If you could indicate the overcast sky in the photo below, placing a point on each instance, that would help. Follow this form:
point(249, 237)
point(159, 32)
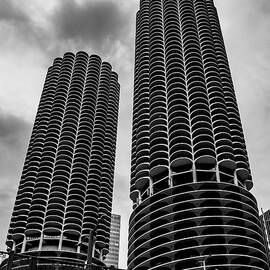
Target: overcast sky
point(37, 31)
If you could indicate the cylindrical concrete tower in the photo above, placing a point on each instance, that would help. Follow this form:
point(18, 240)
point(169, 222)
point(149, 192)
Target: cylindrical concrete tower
point(67, 179)
point(190, 176)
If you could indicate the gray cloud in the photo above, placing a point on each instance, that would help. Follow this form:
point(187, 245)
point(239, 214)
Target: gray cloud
point(9, 12)
point(18, 26)
point(13, 131)
point(91, 25)
point(14, 134)
point(96, 22)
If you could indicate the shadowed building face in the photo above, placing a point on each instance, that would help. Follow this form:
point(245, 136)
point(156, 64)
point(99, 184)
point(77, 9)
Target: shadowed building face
point(67, 178)
point(190, 175)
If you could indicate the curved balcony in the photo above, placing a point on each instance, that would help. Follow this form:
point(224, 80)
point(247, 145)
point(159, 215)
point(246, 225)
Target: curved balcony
point(205, 226)
point(180, 159)
point(52, 228)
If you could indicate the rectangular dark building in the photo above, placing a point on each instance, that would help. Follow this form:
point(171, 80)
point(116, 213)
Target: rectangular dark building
point(265, 221)
point(112, 257)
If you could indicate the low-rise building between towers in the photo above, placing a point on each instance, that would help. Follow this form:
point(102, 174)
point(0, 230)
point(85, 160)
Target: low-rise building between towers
point(112, 258)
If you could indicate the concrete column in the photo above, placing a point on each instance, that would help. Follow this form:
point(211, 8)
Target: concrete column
point(23, 244)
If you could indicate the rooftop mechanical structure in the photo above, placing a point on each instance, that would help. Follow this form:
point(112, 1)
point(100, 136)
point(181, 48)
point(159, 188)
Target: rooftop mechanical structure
point(67, 178)
point(190, 175)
